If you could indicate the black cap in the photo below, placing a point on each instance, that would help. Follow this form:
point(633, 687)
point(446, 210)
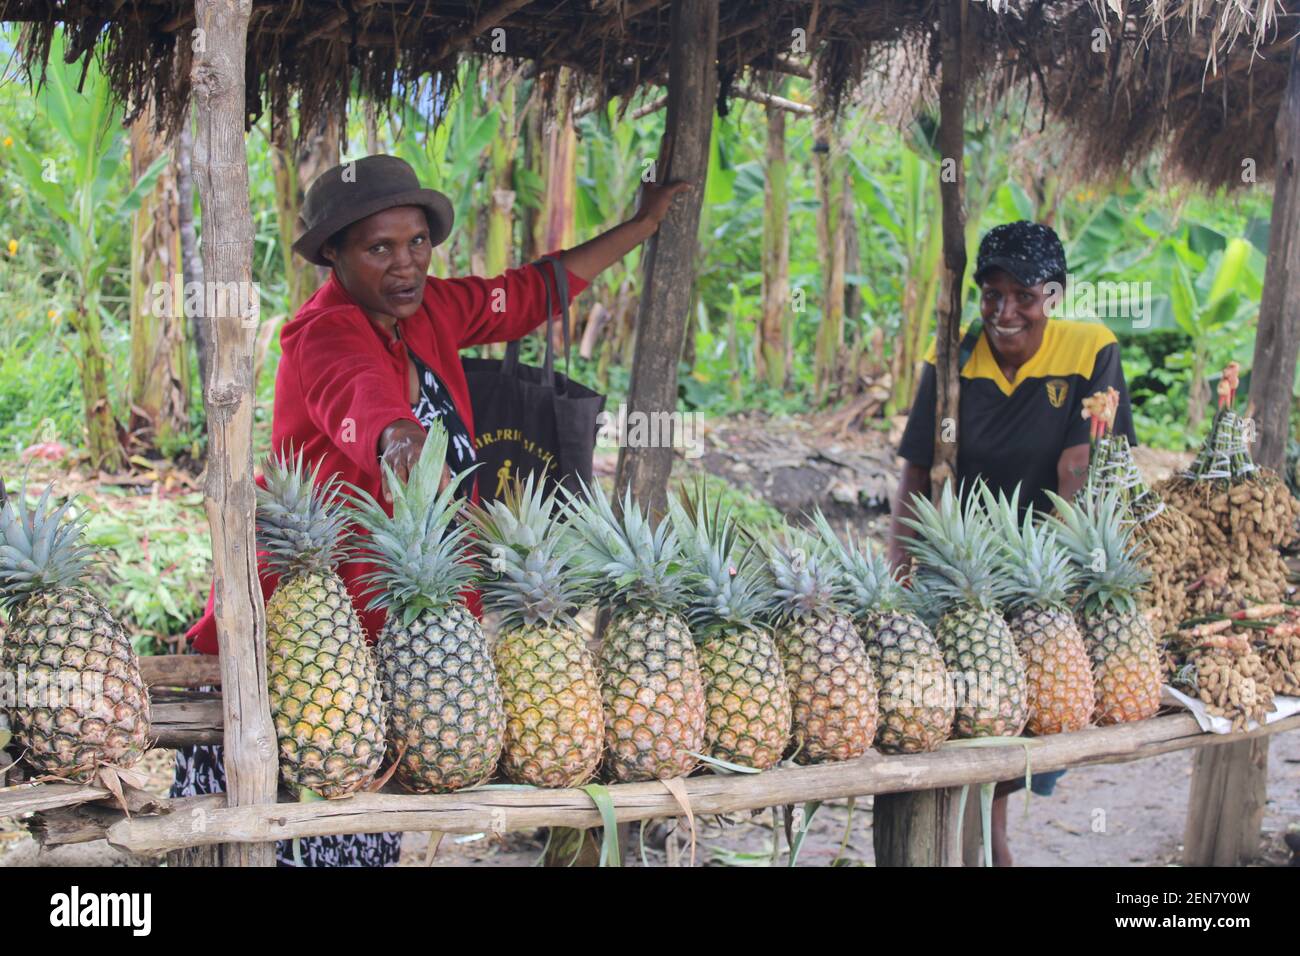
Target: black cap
point(1029, 251)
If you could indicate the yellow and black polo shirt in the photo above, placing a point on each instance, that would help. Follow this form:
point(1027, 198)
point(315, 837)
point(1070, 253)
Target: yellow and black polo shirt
point(1015, 432)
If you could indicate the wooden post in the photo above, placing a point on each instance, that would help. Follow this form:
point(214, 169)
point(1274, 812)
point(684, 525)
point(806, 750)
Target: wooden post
point(952, 193)
point(221, 173)
point(921, 829)
point(1226, 807)
point(918, 829)
point(670, 257)
point(771, 355)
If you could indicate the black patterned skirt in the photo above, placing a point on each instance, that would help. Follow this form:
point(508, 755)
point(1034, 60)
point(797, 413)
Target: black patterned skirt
point(202, 769)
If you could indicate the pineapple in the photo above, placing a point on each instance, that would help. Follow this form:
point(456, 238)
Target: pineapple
point(833, 692)
point(650, 678)
point(958, 577)
point(748, 704)
point(555, 729)
point(1125, 659)
point(446, 714)
point(916, 702)
point(80, 703)
point(1056, 661)
point(322, 681)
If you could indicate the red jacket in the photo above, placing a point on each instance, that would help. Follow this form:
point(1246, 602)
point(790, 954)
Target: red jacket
point(341, 383)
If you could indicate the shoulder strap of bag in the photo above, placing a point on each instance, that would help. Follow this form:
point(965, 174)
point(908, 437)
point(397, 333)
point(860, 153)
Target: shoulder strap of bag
point(968, 343)
point(560, 276)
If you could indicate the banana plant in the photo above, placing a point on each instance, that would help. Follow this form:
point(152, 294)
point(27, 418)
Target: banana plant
point(1216, 309)
point(78, 184)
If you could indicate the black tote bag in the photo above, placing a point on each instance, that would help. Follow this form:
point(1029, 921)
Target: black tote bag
point(529, 419)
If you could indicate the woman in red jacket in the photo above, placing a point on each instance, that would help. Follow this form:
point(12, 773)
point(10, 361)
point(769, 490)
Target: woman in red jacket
point(372, 359)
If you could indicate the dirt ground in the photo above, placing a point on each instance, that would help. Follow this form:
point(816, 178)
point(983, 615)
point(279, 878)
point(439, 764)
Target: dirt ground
point(1110, 815)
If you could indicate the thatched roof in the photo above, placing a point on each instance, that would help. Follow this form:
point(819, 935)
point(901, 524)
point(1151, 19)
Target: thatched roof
point(1200, 77)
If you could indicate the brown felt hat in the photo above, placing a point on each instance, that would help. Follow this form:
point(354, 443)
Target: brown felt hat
point(349, 193)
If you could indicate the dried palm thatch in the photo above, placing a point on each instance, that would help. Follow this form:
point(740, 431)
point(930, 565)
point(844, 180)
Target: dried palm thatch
point(1198, 79)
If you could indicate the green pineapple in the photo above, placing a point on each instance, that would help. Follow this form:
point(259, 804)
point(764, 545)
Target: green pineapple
point(324, 690)
point(555, 728)
point(1125, 658)
point(650, 675)
point(916, 701)
point(446, 714)
point(748, 716)
point(81, 704)
point(832, 690)
point(957, 575)
point(1057, 668)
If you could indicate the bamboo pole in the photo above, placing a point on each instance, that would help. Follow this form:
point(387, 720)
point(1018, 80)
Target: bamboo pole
point(1226, 806)
point(669, 260)
point(472, 811)
point(221, 174)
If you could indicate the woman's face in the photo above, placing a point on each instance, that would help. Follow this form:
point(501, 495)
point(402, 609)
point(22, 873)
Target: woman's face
point(382, 261)
point(1015, 316)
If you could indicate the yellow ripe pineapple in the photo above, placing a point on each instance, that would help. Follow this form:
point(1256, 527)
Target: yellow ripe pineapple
point(916, 701)
point(324, 690)
point(832, 689)
point(555, 727)
point(81, 705)
point(1056, 661)
point(650, 675)
point(957, 576)
point(1125, 657)
point(446, 714)
point(748, 716)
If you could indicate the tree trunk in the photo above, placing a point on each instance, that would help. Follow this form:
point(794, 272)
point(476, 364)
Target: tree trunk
point(952, 194)
point(1228, 786)
point(774, 328)
point(669, 260)
point(105, 448)
point(501, 173)
point(160, 368)
point(831, 175)
point(191, 263)
point(221, 173)
point(294, 168)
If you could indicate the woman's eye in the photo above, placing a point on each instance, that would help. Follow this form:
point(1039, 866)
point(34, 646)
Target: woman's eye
point(1026, 298)
point(378, 250)
point(418, 241)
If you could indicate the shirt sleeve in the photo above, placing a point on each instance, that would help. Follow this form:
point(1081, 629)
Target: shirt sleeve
point(502, 309)
point(350, 394)
point(917, 445)
point(1107, 372)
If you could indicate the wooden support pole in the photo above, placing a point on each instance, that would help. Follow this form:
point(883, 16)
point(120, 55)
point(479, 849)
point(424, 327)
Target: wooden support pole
point(952, 193)
point(221, 174)
point(920, 829)
point(670, 257)
point(1226, 807)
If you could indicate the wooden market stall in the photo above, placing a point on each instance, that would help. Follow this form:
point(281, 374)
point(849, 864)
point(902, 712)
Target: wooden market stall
point(229, 58)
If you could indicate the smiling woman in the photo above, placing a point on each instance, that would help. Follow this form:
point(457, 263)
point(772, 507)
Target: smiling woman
point(1024, 376)
point(372, 360)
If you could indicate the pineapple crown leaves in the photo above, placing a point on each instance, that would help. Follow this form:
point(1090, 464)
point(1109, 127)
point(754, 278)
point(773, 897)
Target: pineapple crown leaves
point(726, 583)
point(529, 558)
point(422, 553)
point(1032, 558)
point(804, 577)
point(1098, 540)
point(39, 551)
point(870, 584)
point(632, 562)
point(956, 562)
point(301, 520)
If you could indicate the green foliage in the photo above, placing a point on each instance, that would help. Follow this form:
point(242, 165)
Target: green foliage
point(156, 561)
